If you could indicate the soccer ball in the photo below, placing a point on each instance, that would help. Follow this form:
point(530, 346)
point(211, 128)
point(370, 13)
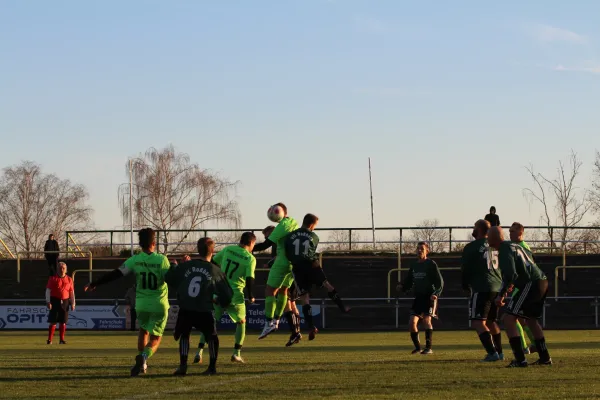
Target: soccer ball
point(275, 213)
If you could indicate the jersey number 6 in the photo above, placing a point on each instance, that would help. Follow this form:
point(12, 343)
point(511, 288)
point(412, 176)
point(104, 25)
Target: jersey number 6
point(194, 287)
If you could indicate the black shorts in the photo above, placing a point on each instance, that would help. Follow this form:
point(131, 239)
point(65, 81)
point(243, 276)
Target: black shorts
point(202, 321)
point(483, 306)
point(59, 313)
point(308, 274)
point(423, 306)
point(529, 301)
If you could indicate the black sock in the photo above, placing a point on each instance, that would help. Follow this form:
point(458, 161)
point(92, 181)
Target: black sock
point(428, 338)
point(486, 341)
point(184, 348)
point(498, 342)
point(308, 317)
point(333, 295)
point(201, 345)
point(517, 348)
point(540, 345)
point(237, 346)
point(415, 339)
point(213, 349)
point(289, 317)
point(296, 319)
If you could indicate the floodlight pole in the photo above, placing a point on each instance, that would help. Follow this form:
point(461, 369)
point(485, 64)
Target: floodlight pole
point(372, 213)
point(131, 202)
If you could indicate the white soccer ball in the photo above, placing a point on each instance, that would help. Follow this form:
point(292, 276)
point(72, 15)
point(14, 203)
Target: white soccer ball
point(275, 213)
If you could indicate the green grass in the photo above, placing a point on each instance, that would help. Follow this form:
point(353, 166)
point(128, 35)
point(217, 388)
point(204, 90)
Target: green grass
point(96, 365)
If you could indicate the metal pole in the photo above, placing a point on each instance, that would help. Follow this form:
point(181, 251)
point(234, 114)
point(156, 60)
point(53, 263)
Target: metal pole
point(372, 213)
point(111, 243)
point(450, 242)
point(131, 202)
point(397, 323)
point(350, 239)
point(596, 310)
point(323, 313)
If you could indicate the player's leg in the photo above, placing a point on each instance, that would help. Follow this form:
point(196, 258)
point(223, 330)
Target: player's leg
point(512, 313)
point(274, 281)
point(492, 324)
point(154, 324)
point(321, 280)
point(202, 343)
point(533, 309)
point(520, 323)
point(208, 327)
point(237, 313)
point(183, 329)
point(63, 317)
point(413, 328)
point(426, 323)
point(52, 318)
point(479, 311)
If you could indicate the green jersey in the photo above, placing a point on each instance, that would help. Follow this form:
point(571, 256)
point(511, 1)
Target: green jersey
point(151, 291)
point(517, 266)
point(480, 268)
point(196, 282)
point(524, 245)
point(278, 235)
point(238, 264)
point(301, 246)
point(425, 278)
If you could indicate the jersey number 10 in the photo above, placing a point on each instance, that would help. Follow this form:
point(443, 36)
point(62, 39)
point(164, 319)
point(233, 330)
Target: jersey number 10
point(149, 280)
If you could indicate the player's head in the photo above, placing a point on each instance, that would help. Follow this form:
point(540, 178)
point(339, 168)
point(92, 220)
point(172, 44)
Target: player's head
point(206, 248)
point(422, 250)
point(310, 221)
point(268, 230)
point(248, 240)
point(516, 232)
point(62, 269)
point(147, 239)
point(495, 237)
point(283, 206)
point(51, 237)
point(492, 210)
point(481, 229)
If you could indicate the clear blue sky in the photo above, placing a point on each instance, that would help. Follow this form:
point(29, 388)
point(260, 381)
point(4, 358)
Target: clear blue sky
point(450, 99)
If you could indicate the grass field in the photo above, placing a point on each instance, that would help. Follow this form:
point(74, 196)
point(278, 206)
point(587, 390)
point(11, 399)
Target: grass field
point(95, 365)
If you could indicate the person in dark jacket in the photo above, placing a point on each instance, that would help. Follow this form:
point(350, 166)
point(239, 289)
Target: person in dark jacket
point(52, 258)
point(492, 217)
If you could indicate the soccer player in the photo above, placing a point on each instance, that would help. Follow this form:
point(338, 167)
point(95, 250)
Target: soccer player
point(60, 295)
point(517, 231)
point(238, 264)
point(425, 277)
point(481, 277)
point(301, 251)
point(152, 303)
point(199, 284)
point(519, 271)
point(280, 276)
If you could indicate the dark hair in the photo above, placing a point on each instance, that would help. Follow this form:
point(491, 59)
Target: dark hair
point(519, 226)
point(50, 236)
point(492, 209)
point(247, 238)
point(206, 246)
point(269, 228)
point(423, 244)
point(310, 219)
point(147, 237)
point(282, 206)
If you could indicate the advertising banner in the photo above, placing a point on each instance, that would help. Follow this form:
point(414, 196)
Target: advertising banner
point(84, 317)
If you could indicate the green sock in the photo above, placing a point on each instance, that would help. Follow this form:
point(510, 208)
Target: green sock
point(522, 336)
point(281, 303)
point(240, 334)
point(148, 352)
point(269, 307)
point(529, 334)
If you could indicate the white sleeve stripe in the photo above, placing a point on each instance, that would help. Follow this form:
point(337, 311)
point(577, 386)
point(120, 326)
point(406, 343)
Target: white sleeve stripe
point(123, 268)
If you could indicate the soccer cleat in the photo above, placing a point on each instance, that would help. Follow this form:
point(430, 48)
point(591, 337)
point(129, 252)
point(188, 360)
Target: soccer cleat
point(198, 358)
point(294, 338)
point(269, 328)
point(313, 334)
point(48, 341)
point(415, 351)
point(540, 362)
point(181, 370)
point(144, 367)
point(427, 351)
point(526, 351)
point(62, 342)
point(237, 359)
point(501, 356)
point(491, 358)
point(516, 364)
point(139, 364)
point(210, 372)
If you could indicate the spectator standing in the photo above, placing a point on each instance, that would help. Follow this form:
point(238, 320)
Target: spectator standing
point(130, 299)
point(60, 295)
point(52, 258)
point(492, 217)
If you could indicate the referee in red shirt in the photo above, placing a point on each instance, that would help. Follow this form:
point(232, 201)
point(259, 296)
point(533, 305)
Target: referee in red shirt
point(60, 294)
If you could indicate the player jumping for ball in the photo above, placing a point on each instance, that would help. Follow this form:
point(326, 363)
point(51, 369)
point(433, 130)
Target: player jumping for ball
point(425, 277)
point(301, 251)
point(151, 291)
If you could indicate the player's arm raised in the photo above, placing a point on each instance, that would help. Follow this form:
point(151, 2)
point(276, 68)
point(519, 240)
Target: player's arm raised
point(108, 277)
point(267, 244)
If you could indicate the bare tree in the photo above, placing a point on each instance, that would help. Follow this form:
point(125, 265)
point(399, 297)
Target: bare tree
point(172, 193)
point(560, 193)
point(341, 239)
point(427, 232)
point(595, 193)
point(34, 204)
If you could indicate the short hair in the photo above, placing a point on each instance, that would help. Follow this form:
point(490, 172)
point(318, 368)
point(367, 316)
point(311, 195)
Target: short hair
point(247, 238)
point(147, 237)
point(206, 246)
point(519, 226)
point(423, 244)
point(60, 264)
point(310, 219)
point(492, 209)
point(50, 236)
point(282, 206)
point(483, 225)
point(269, 228)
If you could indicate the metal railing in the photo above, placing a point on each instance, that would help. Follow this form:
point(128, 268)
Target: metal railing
point(399, 270)
point(88, 253)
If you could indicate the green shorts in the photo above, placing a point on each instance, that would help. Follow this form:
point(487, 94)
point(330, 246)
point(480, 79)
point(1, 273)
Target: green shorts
point(280, 276)
point(153, 322)
point(237, 312)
